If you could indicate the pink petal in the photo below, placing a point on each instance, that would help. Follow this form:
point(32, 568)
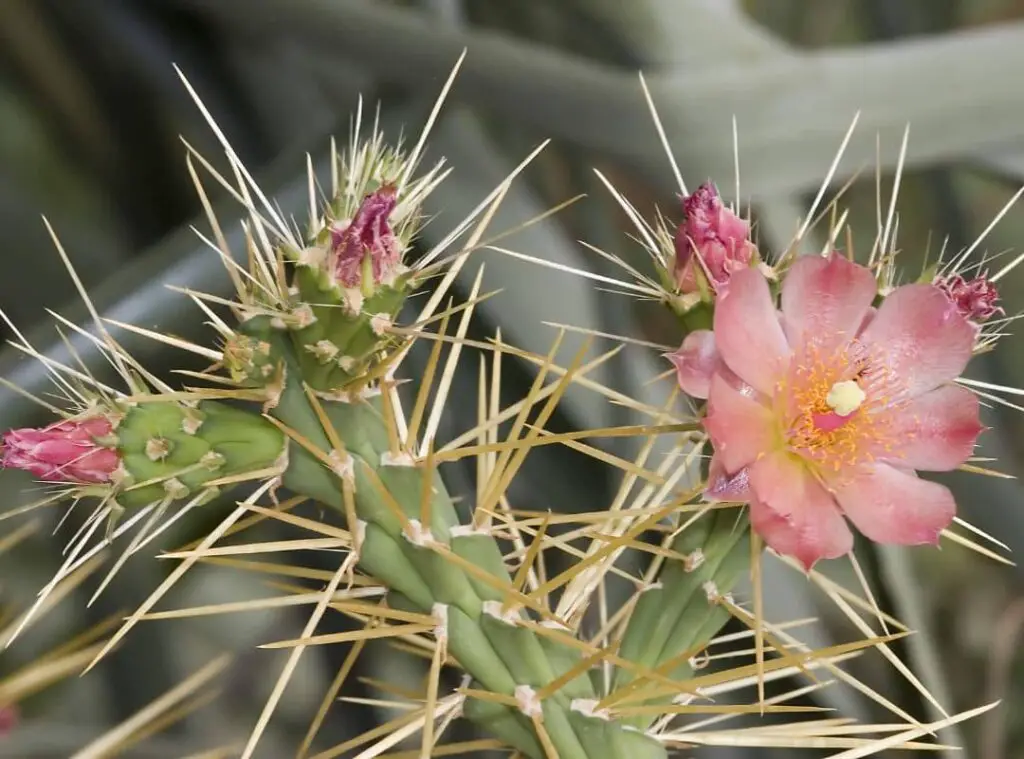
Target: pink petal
point(96, 466)
point(937, 430)
point(90, 428)
point(723, 486)
point(695, 362)
point(732, 228)
point(748, 333)
point(794, 514)
point(921, 336)
point(740, 428)
point(822, 297)
point(17, 460)
point(890, 505)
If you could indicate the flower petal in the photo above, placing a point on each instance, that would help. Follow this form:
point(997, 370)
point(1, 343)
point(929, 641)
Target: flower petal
point(890, 505)
point(825, 297)
point(938, 429)
point(794, 514)
point(921, 336)
point(723, 486)
point(695, 362)
point(747, 331)
point(740, 427)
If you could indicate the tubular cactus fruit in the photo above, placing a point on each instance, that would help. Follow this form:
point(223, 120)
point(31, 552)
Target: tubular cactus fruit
point(177, 450)
point(435, 565)
point(149, 451)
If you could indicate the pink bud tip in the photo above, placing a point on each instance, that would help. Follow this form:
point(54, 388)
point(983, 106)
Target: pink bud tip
point(368, 233)
point(720, 239)
point(975, 299)
point(10, 715)
point(63, 452)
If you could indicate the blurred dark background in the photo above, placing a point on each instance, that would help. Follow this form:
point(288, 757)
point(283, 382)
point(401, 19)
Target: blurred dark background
point(93, 116)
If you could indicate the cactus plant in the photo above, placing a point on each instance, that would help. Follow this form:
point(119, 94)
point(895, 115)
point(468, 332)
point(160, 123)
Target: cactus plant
point(804, 415)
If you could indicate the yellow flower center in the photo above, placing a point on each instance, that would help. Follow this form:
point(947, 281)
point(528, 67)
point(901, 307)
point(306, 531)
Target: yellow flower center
point(835, 406)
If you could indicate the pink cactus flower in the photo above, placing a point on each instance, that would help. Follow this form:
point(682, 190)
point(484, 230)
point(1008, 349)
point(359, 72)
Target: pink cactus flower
point(828, 407)
point(719, 238)
point(975, 299)
point(368, 232)
point(63, 452)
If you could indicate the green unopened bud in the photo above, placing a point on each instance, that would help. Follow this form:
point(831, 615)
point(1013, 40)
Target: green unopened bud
point(171, 450)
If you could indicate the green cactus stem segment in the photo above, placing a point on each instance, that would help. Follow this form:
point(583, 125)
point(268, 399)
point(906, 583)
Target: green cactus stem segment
point(433, 562)
point(682, 612)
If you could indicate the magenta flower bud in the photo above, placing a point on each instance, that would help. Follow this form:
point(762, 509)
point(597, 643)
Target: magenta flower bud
point(63, 452)
point(719, 238)
point(975, 299)
point(368, 236)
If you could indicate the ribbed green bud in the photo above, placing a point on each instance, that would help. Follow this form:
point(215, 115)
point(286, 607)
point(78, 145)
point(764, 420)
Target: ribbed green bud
point(347, 331)
point(180, 449)
point(347, 288)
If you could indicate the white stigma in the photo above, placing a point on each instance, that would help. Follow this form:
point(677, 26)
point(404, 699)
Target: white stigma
point(845, 397)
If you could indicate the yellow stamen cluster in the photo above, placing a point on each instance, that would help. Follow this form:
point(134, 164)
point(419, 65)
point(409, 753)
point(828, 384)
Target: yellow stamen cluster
point(835, 406)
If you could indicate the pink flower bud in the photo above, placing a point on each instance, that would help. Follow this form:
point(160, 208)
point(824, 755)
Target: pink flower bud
point(975, 299)
point(63, 452)
point(368, 234)
point(720, 239)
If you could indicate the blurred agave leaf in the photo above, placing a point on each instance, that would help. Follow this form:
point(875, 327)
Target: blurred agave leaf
point(790, 117)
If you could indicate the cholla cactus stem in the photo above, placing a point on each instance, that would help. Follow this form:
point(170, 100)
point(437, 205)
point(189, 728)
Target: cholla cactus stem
point(426, 560)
